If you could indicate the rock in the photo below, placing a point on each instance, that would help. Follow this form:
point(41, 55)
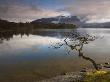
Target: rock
point(69, 77)
point(107, 66)
point(84, 70)
point(100, 66)
point(107, 63)
point(63, 73)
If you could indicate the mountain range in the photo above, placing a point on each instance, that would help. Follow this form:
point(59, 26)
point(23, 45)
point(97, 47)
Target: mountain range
point(72, 20)
point(60, 19)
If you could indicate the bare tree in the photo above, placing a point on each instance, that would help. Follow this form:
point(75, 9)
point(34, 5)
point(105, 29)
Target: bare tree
point(76, 41)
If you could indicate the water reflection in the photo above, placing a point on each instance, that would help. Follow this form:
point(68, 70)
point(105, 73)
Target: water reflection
point(30, 45)
point(30, 42)
point(7, 35)
point(30, 50)
point(76, 41)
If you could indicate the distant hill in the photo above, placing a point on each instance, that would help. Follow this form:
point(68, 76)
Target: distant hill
point(97, 25)
point(3, 21)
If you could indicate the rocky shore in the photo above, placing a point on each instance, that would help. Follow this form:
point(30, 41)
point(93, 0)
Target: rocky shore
point(87, 76)
point(68, 77)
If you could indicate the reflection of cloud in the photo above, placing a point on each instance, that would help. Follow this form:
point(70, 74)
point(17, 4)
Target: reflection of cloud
point(34, 43)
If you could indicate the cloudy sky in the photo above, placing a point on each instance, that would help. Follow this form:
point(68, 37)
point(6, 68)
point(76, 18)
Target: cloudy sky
point(28, 10)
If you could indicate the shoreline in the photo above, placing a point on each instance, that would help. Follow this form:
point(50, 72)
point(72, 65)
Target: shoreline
point(88, 76)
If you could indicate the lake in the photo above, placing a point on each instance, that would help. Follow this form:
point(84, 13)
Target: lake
point(31, 55)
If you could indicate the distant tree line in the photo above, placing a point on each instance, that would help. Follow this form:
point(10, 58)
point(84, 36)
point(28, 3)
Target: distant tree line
point(6, 25)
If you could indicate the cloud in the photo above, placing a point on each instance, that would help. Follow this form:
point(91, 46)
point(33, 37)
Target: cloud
point(25, 13)
point(92, 10)
point(28, 10)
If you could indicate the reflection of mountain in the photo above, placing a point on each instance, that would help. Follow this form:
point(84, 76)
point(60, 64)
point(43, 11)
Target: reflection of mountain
point(7, 35)
point(53, 33)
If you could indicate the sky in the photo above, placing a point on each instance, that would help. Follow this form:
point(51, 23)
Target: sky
point(91, 11)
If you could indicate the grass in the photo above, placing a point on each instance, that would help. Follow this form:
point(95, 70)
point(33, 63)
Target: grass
point(97, 76)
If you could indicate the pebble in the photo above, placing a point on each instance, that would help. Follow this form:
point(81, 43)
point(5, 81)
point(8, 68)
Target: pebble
point(84, 70)
point(107, 63)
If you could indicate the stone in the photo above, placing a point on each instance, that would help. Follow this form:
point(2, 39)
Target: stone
point(107, 63)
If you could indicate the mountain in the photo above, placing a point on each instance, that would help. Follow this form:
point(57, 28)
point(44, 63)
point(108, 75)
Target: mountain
point(59, 19)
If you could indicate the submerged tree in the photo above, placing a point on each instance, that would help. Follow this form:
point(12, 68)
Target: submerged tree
point(76, 41)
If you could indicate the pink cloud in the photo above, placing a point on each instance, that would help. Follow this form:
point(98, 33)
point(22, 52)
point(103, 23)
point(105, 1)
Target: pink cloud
point(21, 13)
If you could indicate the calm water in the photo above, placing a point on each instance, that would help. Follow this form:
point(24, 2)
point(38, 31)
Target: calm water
point(22, 54)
